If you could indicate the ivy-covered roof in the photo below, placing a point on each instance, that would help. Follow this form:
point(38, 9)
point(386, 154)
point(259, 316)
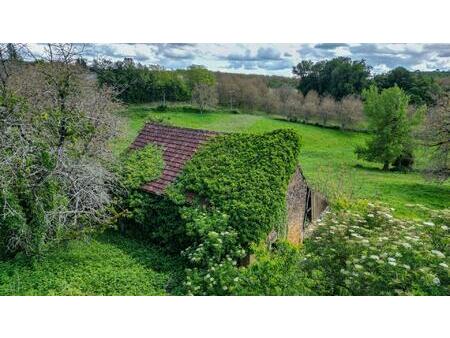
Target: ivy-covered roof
point(178, 145)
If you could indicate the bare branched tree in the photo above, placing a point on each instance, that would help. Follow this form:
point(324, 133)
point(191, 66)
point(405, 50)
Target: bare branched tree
point(435, 133)
point(204, 95)
point(327, 109)
point(350, 112)
point(311, 105)
point(55, 133)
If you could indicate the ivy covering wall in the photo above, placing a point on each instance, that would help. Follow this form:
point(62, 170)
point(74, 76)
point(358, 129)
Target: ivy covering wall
point(246, 177)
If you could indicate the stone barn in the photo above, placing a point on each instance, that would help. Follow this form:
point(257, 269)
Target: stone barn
point(180, 144)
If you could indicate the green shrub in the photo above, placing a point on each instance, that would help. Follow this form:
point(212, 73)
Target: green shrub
point(215, 254)
point(276, 272)
point(147, 215)
point(156, 218)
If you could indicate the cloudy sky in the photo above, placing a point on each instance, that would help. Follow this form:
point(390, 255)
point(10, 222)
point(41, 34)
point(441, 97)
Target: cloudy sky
point(273, 59)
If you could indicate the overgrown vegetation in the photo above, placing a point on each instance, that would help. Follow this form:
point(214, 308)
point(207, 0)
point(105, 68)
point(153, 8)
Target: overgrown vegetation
point(244, 176)
point(140, 166)
point(59, 181)
point(109, 264)
point(238, 183)
point(364, 250)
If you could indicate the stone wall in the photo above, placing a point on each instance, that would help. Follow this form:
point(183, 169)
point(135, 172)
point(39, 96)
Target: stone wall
point(296, 204)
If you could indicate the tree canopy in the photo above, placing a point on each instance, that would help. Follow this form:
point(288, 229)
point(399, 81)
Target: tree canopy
point(420, 87)
point(139, 84)
point(388, 120)
point(338, 77)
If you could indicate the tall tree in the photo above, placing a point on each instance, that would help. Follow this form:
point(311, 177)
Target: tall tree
point(55, 133)
point(389, 124)
point(13, 52)
point(205, 96)
point(199, 75)
point(310, 105)
point(350, 112)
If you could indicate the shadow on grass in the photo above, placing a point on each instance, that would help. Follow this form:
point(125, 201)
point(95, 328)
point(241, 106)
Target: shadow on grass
point(424, 193)
point(319, 125)
point(381, 171)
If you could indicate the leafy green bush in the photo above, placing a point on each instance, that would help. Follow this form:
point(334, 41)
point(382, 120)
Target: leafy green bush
point(277, 272)
point(147, 215)
point(156, 218)
point(367, 251)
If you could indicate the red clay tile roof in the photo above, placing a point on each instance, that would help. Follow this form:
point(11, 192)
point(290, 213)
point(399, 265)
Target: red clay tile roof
point(179, 145)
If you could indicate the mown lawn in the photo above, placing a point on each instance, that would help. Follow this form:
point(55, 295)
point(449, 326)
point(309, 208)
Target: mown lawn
point(109, 264)
point(327, 157)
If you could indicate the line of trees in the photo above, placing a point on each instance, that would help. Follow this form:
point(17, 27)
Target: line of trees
point(324, 111)
point(342, 76)
point(326, 92)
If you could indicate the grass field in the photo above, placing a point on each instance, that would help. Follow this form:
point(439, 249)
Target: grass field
point(327, 157)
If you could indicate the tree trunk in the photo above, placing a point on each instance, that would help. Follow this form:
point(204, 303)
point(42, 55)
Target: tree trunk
point(386, 166)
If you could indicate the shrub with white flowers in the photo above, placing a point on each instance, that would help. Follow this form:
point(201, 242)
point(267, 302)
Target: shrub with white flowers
point(367, 251)
point(214, 257)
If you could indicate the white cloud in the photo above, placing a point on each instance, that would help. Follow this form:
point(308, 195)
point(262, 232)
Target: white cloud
point(273, 58)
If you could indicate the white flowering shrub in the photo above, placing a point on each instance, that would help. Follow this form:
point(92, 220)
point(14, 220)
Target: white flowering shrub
point(214, 256)
point(360, 249)
point(367, 251)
